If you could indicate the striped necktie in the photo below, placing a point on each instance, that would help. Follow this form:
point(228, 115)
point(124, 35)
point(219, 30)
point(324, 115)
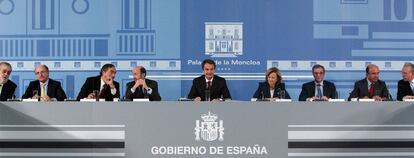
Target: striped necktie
point(318, 88)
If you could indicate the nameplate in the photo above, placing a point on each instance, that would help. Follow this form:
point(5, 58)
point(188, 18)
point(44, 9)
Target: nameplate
point(260, 100)
point(30, 100)
point(141, 100)
point(88, 100)
point(366, 100)
point(408, 100)
point(336, 100)
point(185, 99)
point(283, 100)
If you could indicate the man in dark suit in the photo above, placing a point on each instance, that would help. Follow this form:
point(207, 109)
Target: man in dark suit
point(318, 89)
point(210, 85)
point(406, 85)
point(104, 85)
point(142, 87)
point(44, 88)
point(7, 87)
point(370, 87)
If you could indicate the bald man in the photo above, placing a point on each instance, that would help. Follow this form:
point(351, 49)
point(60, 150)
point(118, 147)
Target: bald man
point(371, 87)
point(142, 87)
point(44, 88)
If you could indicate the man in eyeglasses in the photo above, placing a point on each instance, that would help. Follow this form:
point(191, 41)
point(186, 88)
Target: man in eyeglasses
point(7, 87)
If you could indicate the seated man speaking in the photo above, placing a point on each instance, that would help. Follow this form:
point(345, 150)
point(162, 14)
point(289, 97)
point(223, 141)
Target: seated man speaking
point(208, 86)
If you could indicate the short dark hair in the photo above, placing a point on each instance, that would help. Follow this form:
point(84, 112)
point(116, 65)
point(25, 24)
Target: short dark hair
point(318, 66)
point(208, 61)
point(106, 67)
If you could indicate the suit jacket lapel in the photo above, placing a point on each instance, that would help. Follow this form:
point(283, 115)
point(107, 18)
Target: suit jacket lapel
point(266, 91)
point(365, 87)
point(97, 85)
point(214, 85)
point(408, 85)
point(325, 89)
point(312, 90)
point(203, 84)
point(37, 87)
point(49, 88)
point(149, 84)
point(3, 89)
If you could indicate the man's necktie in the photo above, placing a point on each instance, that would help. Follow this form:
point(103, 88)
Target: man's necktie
point(412, 87)
point(43, 90)
point(208, 85)
point(318, 88)
point(102, 92)
point(371, 90)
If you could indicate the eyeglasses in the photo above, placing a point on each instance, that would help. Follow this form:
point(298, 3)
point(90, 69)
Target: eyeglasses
point(41, 72)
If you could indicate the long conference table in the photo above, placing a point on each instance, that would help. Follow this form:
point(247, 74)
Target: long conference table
point(207, 129)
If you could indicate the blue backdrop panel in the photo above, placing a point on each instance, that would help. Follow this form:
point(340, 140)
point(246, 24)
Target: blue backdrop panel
point(171, 38)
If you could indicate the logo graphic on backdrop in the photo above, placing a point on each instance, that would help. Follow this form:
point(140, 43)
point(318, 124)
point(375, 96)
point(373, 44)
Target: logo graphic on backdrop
point(224, 39)
point(209, 129)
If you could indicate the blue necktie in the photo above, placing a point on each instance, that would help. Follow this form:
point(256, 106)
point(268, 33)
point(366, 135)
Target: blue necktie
point(318, 88)
point(412, 87)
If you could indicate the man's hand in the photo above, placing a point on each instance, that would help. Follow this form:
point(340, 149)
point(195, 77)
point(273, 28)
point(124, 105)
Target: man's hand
point(197, 99)
point(45, 98)
point(377, 98)
point(408, 97)
point(36, 97)
point(312, 98)
point(91, 96)
point(140, 82)
point(110, 82)
point(324, 98)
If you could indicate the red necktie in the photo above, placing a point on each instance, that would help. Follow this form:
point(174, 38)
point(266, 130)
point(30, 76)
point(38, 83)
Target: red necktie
point(371, 90)
point(209, 85)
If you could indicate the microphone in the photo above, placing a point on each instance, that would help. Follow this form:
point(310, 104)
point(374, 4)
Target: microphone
point(262, 95)
point(278, 91)
point(97, 94)
point(388, 97)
